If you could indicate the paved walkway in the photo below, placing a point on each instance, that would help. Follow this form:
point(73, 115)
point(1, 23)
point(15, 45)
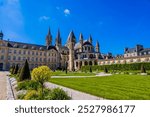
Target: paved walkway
point(3, 85)
point(76, 95)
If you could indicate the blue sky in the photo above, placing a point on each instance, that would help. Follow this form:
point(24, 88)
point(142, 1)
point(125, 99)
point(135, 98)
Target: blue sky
point(116, 24)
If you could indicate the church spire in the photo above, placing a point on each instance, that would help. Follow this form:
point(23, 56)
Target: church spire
point(1, 35)
point(58, 39)
point(90, 39)
point(97, 47)
point(49, 38)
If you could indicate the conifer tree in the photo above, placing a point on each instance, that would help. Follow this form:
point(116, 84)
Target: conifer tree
point(16, 69)
point(25, 72)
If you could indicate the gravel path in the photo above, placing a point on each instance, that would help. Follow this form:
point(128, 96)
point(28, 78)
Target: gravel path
point(76, 95)
point(3, 85)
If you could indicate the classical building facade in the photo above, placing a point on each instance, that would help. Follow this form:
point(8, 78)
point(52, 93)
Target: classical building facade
point(73, 54)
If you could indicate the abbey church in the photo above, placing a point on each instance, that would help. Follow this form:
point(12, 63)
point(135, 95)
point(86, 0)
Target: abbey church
point(73, 54)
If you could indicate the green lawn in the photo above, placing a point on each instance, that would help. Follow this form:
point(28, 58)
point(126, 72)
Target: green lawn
point(116, 87)
point(60, 73)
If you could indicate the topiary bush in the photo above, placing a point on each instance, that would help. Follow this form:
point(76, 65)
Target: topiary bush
point(16, 69)
point(41, 75)
point(143, 70)
point(25, 72)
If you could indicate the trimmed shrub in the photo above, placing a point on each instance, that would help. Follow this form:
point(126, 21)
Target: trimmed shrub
point(143, 70)
point(25, 72)
point(90, 69)
point(59, 94)
point(105, 70)
point(118, 67)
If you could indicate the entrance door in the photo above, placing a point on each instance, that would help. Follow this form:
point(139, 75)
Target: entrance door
point(1, 66)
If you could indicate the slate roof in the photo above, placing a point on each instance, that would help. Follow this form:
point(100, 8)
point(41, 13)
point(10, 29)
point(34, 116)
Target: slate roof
point(13, 44)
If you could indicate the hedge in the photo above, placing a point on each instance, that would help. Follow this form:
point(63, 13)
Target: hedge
point(119, 67)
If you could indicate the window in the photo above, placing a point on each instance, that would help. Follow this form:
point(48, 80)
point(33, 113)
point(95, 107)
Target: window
point(3, 51)
point(19, 51)
point(9, 57)
point(15, 51)
point(149, 52)
point(40, 53)
point(36, 59)
point(36, 53)
point(10, 51)
point(24, 52)
point(32, 58)
point(14, 58)
point(2, 57)
point(24, 58)
point(19, 58)
point(33, 53)
point(28, 52)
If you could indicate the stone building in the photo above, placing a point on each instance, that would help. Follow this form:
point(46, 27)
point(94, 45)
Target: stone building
point(139, 50)
point(73, 54)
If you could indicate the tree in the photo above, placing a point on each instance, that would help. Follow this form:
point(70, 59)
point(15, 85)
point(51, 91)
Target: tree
point(143, 70)
point(105, 70)
point(25, 72)
point(16, 69)
point(12, 69)
point(41, 75)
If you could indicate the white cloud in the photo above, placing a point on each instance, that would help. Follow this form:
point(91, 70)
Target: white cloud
point(67, 12)
point(43, 18)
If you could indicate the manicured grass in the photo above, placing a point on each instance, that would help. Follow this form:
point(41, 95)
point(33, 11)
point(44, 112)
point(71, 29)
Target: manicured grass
point(116, 87)
point(60, 73)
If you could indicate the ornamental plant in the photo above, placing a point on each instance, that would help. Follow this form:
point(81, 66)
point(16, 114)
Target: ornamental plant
point(41, 75)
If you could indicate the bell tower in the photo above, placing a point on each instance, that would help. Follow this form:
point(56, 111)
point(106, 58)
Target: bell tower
point(71, 44)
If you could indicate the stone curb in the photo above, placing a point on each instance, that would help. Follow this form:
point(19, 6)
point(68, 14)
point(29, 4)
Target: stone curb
point(10, 93)
point(74, 94)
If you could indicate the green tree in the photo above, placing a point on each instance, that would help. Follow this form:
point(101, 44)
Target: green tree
point(105, 70)
point(25, 72)
point(12, 69)
point(41, 75)
point(16, 69)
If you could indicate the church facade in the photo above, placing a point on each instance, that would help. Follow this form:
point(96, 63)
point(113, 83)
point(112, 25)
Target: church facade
point(73, 54)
